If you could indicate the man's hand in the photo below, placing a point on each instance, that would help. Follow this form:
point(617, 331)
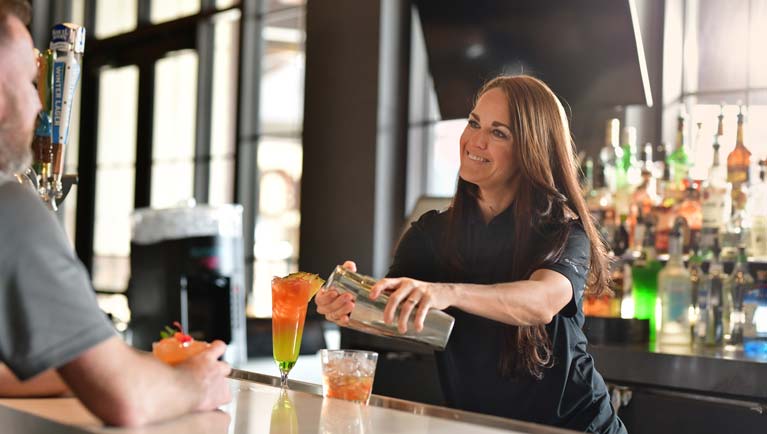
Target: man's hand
point(209, 375)
point(124, 387)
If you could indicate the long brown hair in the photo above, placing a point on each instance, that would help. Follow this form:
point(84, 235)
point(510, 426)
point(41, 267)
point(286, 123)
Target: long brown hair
point(547, 197)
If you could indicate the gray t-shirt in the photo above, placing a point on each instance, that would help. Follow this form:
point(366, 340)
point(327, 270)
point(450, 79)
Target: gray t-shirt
point(48, 310)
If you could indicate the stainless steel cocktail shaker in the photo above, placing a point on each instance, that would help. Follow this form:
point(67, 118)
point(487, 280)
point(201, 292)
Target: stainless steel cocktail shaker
point(367, 315)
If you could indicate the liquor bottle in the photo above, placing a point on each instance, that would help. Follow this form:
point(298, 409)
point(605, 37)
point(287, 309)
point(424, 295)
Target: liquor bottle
point(738, 163)
point(678, 162)
point(716, 201)
point(739, 159)
point(662, 170)
point(639, 235)
point(645, 195)
point(737, 234)
point(626, 308)
point(627, 172)
point(593, 183)
point(664, 221)
point(620, 243)
point(630, 163)
point(644, 274)
point(691, 211)
point(696, 275)
point(675, 294)
point(738, 284)
point(610, 154)
point(607, 305)
point(712, 321)
point(757, 209)
point(599, 200)
point(588, 180)
point(620, 277)
point(755, 326)
point(590, 191)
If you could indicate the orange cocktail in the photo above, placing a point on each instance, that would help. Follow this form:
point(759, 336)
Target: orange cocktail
point(349, 387)
point(348, 374)
point(290, 298)
point(176, 346)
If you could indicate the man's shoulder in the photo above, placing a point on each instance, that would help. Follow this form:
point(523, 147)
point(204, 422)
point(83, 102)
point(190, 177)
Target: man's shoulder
point(20, 207)
point(17, 198)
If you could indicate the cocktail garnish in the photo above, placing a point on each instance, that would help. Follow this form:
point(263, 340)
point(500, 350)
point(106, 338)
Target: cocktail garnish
point(315, 280)
point(176, 333)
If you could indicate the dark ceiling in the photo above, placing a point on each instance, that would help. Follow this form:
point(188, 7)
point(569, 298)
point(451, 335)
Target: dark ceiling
point(586, 50)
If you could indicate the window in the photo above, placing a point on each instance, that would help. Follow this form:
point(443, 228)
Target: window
point(164, 10)
point(114, 17)
point(148, 118)
point(433, 156)
point(445, 159)
point(175, 106)
point(223, 123)
point(165, 127)
point(115, 174)
point(279, 152)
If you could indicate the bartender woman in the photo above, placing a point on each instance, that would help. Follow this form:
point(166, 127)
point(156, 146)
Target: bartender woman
point(509, 260)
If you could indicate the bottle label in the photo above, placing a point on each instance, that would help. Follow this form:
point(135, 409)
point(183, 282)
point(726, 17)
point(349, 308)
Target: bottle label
point(755, 320)
point(737, 174)
point(714, 207)
point(739, 198)
point(759, 236)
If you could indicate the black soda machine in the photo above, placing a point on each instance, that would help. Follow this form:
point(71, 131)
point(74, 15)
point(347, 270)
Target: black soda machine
point(187, 265)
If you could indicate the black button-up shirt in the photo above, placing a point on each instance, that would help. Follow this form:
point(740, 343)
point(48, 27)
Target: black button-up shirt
point(571, 393)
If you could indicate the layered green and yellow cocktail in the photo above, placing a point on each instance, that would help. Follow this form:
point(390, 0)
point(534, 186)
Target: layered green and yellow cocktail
point(290, 297)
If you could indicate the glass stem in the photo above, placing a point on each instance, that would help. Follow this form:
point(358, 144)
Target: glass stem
point(284, 379)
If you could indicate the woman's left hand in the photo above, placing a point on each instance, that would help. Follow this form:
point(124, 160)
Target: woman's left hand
point(412, 295)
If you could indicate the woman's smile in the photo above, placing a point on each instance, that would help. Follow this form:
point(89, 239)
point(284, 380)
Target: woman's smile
point(476, 158)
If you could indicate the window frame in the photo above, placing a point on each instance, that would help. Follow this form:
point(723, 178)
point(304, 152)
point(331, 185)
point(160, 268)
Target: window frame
point(143, 47)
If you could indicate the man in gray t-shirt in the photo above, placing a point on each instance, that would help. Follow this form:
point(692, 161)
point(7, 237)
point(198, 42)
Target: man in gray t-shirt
point(49, 310)
point(49, 321)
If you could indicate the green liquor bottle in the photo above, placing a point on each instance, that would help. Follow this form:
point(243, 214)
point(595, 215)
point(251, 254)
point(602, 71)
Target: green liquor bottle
point(644, 273)
point(678, 160)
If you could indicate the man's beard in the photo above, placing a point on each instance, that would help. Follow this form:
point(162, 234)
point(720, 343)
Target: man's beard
point(15, 153)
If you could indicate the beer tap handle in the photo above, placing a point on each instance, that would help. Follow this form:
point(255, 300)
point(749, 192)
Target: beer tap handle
point(67, 181)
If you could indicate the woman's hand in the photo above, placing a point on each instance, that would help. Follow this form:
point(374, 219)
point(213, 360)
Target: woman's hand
point(334, 306)
point(412, 295)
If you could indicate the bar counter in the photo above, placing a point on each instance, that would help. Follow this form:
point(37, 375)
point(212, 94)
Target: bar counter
point(699, 370)
point(672, 389)
point(259, 406)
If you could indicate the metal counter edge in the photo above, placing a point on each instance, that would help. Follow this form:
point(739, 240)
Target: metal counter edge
point(410, 406)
